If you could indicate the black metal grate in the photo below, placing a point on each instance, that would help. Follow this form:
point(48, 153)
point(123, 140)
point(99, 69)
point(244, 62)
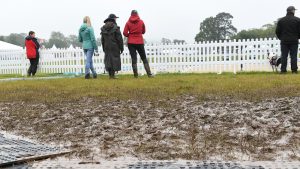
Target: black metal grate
point(17, 150)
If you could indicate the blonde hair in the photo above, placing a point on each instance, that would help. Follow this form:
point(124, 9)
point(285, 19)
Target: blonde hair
point(87, 20)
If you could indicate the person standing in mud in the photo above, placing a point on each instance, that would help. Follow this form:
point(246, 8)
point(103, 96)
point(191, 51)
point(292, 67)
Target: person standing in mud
point(288, 31)
point(112, 44)
point(89, 45)
point(134, 30)
point(32, 51)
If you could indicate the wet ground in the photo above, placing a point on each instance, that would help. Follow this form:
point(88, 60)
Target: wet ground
point(170, 129)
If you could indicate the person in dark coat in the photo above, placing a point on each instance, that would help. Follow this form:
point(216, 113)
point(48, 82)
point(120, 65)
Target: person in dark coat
point(112, 44)
point(32, 51)
point(288, 31)
point(134, 30)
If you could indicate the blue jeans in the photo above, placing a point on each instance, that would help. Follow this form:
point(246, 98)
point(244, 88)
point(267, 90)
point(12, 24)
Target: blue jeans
point(89, 61)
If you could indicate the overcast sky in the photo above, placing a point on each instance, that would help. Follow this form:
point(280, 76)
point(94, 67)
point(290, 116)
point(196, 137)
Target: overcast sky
point(173, 19)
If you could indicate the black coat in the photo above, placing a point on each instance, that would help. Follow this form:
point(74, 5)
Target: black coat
point(288, 29)
point(112, 44)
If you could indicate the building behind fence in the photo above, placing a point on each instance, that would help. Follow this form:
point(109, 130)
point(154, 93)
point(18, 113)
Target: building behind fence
point(215, 57)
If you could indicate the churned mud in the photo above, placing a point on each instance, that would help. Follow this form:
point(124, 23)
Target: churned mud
point(181, 128)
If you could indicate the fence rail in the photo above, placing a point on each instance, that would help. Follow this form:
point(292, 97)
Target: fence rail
point(217, 57)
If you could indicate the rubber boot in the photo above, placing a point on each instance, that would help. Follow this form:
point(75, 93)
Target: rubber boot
point(112, 75)
point(95, 76)
point(87, 76)
point(29, 72)
point(135, 70)
point(147, 68)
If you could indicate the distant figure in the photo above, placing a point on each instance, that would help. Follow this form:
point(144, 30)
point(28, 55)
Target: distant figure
point(32, 51)
point(134, 30)
point(288, 31)
point(89, 45)
point(112, 44)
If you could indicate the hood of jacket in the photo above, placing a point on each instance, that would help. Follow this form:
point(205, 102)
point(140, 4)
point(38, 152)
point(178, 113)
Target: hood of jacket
point(29, 38)
point(109, 27)
point(134, 18)
point(83, 27)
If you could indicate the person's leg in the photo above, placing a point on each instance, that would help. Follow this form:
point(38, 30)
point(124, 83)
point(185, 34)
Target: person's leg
point(35, 65)
point(29, 72)
point(294, 58)
point(90, 53)
point(133, 54)
point(142, 53)
point(284, 56)
point(111, 73)
point(87, 64)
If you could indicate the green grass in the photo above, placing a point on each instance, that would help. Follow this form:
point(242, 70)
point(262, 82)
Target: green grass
point(20, 76)
point(245, 86)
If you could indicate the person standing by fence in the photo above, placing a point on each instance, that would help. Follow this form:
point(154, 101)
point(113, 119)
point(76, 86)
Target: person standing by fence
point(134, 30)
point(112, 44)
point(89, 45)
point(288, 31)
point(32, 51)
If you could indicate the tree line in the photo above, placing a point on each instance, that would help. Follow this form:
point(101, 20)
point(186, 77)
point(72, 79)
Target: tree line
point(57, 38)
point(220, 27)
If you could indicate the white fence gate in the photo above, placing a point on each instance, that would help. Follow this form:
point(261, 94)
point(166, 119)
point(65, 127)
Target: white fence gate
point(216, 57)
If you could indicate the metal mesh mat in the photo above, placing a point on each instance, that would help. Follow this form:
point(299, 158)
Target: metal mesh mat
point(14, 150)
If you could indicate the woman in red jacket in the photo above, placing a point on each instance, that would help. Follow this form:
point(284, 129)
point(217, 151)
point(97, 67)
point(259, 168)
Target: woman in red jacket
point(134, 30)
point(32, 52)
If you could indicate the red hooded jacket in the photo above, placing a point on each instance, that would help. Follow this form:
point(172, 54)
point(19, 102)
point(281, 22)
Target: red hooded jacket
point(32, 47)
point(134, 30)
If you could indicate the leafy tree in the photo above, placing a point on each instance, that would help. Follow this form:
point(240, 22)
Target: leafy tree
point(207, 30)
point(73, 40)
point(178, 41)
point(58, 39)
point(15, 38)
point(165, 41)
point(216, 28)
point(266, 31)
point(2, 38)
point(225, 29)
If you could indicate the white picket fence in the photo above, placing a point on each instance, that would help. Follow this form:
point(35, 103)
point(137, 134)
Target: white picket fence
point(216, 57)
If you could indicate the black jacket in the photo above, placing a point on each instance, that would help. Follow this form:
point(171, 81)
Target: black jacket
point(112, 44)
point(288, 29)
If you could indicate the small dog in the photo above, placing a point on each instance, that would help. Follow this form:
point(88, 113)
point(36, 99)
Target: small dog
point(274, 60)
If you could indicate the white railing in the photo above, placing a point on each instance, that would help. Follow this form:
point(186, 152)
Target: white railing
point(223, 56)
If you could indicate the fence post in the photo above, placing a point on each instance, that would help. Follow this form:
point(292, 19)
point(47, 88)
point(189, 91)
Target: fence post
point(23, 60)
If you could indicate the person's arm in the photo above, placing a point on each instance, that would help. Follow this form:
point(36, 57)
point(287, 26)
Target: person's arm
point(93, 39)
point(278, 30)
point(298, 28)
point(102, 42)
point(126, 29)
point(144, 28)
point(37, 45)
point(79, 37)
point(120, 40)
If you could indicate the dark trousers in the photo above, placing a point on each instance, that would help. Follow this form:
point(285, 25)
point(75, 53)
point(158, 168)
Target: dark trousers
point(133, 49)
point(33, 66)
point(287, 49)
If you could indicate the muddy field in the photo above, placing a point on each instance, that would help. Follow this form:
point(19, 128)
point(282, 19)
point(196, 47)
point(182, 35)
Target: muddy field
point(181, 128)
